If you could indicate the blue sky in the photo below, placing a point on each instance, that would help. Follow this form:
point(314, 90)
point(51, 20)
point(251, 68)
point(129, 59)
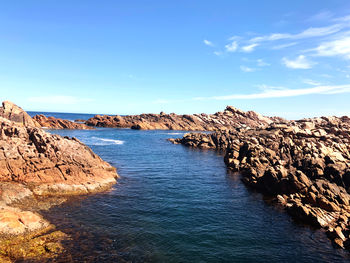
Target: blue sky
point(285, 58)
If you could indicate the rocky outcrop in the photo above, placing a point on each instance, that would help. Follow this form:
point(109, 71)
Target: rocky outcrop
point(36, 164)
point(230, 117)
point(304, 164)
point(14, 113)
point(49, 164)
point(56, 123)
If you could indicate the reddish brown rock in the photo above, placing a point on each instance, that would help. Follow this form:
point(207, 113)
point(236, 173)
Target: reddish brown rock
point(305, 164)
point(35, 163)
point(14, 113)
point(56, 123)
point(50, 164)
point(230, 117)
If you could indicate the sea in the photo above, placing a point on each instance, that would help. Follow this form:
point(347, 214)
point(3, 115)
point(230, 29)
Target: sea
point(177, 204)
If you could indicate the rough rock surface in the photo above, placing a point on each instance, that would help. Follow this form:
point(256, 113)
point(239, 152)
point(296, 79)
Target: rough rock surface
point(14, 113)
point(50, 164)
point(304, 164)
point(35, 163)
point(56, 123)
point(230, 117)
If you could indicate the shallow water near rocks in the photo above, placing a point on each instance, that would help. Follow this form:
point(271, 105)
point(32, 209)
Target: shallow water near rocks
point(176, 204)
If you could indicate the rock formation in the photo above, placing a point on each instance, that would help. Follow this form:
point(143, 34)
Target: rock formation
point(49, 163)
point(14, 113)
point(230, 117)
point(56, 123)
point(304, 164)
point(35, 163)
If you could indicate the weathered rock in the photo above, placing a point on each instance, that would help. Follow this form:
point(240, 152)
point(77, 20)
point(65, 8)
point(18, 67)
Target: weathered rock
point(56, 123)
point(35, 163)
point(49, 164)
point(14, 113)
point(305, 164)
point(230, 117)
point(14, 221)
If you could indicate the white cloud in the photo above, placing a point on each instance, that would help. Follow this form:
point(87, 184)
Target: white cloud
point(58, 99)
point(308, 33)
point(218, 53)
point(280, 92)
point(337, 47)
point(232, 47)
point(247, 69)
point(262, 63)
point(234, 38)
point(208, 43)
point(299, 63)
point(249, 48)
point(311, 82)
point(282, 46)
point(342, 19)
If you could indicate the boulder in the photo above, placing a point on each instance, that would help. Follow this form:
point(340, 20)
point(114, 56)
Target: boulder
point(14, 113)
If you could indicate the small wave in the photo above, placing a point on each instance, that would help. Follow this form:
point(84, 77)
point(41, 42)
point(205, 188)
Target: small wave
point(174, 133)
point(104, 141)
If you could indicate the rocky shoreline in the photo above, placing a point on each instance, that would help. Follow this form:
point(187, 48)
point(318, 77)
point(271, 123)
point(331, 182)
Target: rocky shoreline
point(230, 117)
point(35, 165)
point(304, 165)
point(56, 123)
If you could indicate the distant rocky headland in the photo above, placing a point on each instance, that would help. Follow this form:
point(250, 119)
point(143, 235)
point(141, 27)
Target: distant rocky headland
point(36, 165)
point(230, 117)
point(56, 123)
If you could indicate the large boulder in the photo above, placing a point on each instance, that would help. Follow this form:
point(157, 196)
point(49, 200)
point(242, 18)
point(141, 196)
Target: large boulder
point(50, 164)
point(12, 112)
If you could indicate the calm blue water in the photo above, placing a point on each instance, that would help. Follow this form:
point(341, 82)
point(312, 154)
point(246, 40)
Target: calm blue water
point(176, 204)
point(66, 116)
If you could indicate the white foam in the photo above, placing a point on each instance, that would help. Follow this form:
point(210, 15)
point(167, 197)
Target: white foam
point(104, 141)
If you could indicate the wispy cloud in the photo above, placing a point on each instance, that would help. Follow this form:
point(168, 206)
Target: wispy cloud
point(280, 92)
point(308, 33)
point(232, 47)
point(311, 82)
point(300, 62)
point(218, 53)
point(336, 47)
point(247, 69)
point(261, 63)
point(58, 99)
point(208, 43)
point(282, 46)
point(249, 48)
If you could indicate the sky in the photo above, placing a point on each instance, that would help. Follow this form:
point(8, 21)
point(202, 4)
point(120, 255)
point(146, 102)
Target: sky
point(278, 58)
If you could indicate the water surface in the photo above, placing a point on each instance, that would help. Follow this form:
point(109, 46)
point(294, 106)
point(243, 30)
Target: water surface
point(176, 204)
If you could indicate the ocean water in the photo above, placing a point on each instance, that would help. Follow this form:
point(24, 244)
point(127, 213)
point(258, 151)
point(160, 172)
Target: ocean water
point(61, 115)
point(176, 204)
